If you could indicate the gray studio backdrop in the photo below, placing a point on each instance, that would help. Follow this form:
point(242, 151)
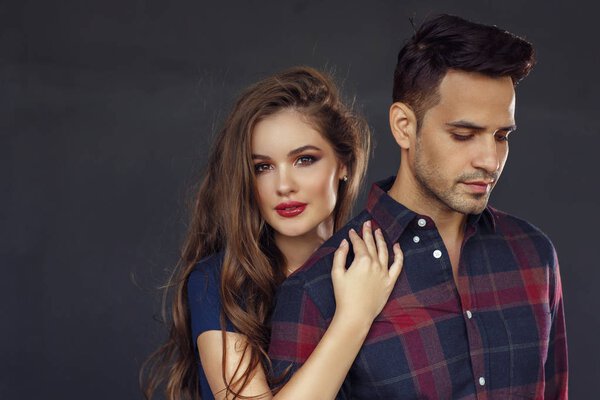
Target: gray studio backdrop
point(107, 109)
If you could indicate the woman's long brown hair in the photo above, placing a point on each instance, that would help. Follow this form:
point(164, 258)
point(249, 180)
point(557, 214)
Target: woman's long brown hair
point(226, 217)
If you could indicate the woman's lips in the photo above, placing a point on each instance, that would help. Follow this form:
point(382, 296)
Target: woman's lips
point(290, 209)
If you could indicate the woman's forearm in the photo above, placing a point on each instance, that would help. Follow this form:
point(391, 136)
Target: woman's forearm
point(369, 277)
point(323, 373)
point(320, 377)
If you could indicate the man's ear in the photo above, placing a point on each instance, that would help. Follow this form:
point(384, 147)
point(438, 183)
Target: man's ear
point(403, 123)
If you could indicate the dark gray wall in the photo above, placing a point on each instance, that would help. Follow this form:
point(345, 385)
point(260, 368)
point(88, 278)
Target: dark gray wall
point(106, 112)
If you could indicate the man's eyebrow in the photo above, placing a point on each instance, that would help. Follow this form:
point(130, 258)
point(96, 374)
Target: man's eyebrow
point(473, 126)
point(290, 154)
point(510, 128)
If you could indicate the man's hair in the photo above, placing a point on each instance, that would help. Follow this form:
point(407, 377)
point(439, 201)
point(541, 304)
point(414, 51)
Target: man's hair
point(449, 42)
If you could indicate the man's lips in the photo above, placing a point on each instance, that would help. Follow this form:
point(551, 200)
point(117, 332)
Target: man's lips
point(478, 186)
point(290, 209)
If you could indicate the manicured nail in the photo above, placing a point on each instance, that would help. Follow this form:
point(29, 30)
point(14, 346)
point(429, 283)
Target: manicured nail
point(368, 223)
point(344, 243)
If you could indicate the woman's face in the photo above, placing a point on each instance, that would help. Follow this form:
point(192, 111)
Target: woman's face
point(297, 174)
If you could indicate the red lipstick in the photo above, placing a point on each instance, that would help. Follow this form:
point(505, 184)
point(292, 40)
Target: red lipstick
point(290, 209)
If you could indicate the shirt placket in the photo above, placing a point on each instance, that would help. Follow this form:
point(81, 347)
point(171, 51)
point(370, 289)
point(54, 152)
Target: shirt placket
point(471, 318)
point(474, 338)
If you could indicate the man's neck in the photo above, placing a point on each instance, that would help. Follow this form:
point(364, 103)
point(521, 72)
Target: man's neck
point(449, 223)
point(406, 191)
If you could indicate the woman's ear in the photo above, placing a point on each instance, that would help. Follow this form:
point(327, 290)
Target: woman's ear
point(403, 123)
point(343, 173)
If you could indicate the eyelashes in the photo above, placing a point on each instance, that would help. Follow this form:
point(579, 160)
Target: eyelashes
point(461, 138)
point(306, 160)
point(262, 167)
point(464, 138)
point(301, 161)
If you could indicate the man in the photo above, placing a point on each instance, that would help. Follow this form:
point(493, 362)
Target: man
point(477, 312)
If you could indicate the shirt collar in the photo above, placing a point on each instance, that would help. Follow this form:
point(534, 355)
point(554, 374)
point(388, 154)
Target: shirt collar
point(393, 218)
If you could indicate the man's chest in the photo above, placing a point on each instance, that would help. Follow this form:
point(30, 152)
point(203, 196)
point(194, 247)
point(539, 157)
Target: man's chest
point(437, 338)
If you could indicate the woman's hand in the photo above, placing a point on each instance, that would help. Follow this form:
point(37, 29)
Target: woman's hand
point(362, 290)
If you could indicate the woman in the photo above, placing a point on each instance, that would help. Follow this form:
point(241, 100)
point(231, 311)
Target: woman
point(282, 176)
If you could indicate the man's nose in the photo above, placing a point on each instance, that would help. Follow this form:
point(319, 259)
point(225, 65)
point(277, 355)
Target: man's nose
point(488, 157)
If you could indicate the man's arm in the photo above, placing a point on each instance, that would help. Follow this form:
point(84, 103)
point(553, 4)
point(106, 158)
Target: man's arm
point(556, 366)
point(297, 326)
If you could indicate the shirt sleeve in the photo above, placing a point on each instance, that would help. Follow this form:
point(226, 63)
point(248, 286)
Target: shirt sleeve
point(556, 366)
point(204, 300)
point(297, 326)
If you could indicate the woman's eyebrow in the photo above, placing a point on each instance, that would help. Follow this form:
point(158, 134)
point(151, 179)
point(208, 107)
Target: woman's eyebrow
point(294, 152)
point(303, 149)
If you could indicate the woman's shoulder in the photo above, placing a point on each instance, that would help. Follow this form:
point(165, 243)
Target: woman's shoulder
point(206, 313)
point(204, 299)
point(211, 263)
point(205, 275)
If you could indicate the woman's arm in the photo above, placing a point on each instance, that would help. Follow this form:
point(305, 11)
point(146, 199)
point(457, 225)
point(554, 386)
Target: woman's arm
point(210, 348)
point(361, 292)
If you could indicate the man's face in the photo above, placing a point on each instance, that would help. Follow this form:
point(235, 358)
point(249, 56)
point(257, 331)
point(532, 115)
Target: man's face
point(461, 147)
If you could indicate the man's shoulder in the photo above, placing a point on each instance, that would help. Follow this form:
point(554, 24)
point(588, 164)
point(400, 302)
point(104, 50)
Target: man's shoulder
point(313, 278)
point(515, 229)
point(508, 224)
point(319, 263)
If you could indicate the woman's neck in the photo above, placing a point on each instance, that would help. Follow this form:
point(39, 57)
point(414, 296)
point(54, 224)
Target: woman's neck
point(297, 249)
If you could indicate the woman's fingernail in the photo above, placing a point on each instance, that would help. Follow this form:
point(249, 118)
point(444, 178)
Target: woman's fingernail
point(344, 243)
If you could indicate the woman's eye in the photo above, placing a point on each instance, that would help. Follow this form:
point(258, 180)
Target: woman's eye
point(502, 138)
point(305, 160)
point(260, 168)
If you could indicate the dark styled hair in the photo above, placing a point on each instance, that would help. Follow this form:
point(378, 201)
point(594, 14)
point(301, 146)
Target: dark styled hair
point(449, 42)
point(226, 217)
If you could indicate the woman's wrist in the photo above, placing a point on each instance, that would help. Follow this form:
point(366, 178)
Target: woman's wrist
point(352, 322)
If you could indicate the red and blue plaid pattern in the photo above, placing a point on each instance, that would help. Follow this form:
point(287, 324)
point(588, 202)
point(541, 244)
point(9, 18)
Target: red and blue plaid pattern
point(498, 333)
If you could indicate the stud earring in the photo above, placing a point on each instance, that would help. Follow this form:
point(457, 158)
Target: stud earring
point(345, 178)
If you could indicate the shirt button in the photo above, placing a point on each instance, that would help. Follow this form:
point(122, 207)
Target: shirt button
point(469, 314)
point(481, 381)
point(437, 253)
point(416, 239)
point(421, 222)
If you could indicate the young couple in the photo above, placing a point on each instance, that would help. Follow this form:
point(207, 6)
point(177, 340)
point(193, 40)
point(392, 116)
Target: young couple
point(277, 298)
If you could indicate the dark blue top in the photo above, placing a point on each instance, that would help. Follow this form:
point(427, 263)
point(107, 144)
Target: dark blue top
point(205, 307)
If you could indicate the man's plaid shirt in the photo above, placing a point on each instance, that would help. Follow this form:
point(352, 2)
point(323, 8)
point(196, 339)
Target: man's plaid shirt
point(499, 333)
